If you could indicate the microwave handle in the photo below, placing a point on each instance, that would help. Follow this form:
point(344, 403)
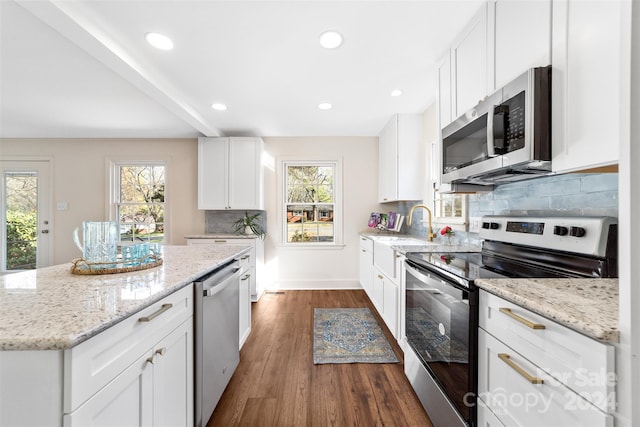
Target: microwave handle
point(491, 148)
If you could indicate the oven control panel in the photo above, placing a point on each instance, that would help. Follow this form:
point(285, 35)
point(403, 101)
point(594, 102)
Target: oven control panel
point(584, 235)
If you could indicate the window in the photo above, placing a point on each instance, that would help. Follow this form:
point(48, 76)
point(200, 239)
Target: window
point(139, 200)
point(450, 208)
point(311, 203)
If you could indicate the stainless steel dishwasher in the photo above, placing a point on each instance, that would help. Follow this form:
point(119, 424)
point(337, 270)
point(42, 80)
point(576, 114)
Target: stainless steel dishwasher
point(217, 302)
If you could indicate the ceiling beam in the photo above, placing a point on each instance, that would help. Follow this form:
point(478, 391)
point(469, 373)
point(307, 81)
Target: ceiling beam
point(69, 21)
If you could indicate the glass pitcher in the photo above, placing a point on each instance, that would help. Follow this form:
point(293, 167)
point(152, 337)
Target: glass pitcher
point(100, 241)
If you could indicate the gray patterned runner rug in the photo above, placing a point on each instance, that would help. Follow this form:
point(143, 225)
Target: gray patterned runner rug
point(349, 335)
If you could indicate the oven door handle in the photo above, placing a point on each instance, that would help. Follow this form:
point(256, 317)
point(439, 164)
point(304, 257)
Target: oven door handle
point(417, 273)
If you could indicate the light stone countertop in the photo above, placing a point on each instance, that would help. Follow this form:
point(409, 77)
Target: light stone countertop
point(221, 236)
point(403, 247)
point(589, 306)
point(52, 309)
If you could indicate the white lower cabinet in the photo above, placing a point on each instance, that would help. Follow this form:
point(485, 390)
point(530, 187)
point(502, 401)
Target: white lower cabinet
point(385, 299)
point(535, 372)
point(102, 386)
point(366, 265)
point(126, 401)
point(138, 372)
point(380, 277)
point(156, 390)
point(246, 278)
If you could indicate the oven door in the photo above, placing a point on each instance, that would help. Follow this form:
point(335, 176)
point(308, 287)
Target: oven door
point(441, 321)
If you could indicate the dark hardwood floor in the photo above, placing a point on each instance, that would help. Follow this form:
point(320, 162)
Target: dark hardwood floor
point(277, 384)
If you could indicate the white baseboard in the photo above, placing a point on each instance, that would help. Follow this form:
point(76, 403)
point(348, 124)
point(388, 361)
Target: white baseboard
point(314, 285)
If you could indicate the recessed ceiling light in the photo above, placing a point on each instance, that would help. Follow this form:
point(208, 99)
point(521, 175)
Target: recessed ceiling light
point(219, 107)
point(330, 39)
point(325, 106)
point(396, 92)
point(159, 41)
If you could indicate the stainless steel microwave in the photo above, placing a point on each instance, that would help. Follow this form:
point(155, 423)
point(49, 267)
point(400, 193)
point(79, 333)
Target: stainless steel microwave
point(505, 138)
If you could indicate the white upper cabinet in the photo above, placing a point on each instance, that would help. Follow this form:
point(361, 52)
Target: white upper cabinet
point(469, 62)
point(590, 82)
point(443, 91)
point(519, 39)
point(400, 143)
point(230, 174)
point(501, 41)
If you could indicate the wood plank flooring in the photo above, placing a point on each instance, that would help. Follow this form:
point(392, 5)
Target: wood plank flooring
point(277, 384)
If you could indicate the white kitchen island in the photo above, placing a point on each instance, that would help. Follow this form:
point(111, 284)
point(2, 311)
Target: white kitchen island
point(104, 349)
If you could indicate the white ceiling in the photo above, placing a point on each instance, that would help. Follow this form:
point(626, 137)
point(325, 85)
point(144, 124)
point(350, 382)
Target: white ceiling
point(82, 69)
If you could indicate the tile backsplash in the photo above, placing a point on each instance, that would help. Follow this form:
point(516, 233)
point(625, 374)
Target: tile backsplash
point(562, 195)
point(222, 221)
point(570, 194)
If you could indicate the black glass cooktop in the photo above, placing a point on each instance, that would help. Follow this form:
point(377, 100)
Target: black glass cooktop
point(466, 265)
point(487, 265)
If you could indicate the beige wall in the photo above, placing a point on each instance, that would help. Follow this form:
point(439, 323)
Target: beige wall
point(307, 268)
point(80, 171)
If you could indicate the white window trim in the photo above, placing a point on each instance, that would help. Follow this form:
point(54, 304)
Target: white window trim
point(449, 220)
point(112, 190)
point(338, 211)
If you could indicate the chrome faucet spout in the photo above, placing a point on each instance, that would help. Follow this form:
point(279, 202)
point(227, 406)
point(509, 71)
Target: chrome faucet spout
point(430, 232)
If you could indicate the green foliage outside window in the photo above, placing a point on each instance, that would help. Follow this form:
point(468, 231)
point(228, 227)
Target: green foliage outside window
point(21, 240)
point(310, 202)
point(141, 202)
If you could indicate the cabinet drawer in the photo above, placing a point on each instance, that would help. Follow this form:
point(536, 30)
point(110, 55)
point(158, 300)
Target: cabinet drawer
point(384, 257)
point(247, 260)
point(366, 244)
point(581, 363)
point(92, 364)
point(486, 418)
point(516, 401)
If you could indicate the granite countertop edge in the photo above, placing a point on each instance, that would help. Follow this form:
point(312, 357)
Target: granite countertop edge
point(221, 236)
point(57, 310)
point(427, 247)
point(588, 306)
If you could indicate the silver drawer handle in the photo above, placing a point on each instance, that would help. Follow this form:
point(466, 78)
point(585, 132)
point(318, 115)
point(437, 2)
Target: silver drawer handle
point(244, 257)
point(162, 309)
point(507, 359)
point(520, 319)
point(245, 277)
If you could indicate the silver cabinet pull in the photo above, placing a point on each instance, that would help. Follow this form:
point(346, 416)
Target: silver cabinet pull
point(527, 323)
point(245, 257)
point(245, 277)
point(507, 359)
point(149, 318)
point(161, 351)
point(152, 359)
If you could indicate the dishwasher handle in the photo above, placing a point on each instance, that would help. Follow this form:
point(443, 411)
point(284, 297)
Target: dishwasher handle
point(209, 291)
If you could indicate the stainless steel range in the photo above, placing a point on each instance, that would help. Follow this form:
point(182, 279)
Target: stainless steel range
point(441, 316)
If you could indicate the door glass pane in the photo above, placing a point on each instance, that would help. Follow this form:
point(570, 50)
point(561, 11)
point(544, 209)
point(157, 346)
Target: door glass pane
point(21, 213)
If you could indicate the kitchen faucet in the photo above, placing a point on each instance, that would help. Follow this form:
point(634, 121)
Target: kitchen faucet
point(430, 234)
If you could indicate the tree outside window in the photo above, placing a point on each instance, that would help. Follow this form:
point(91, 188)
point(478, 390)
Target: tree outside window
point(21, 204)
point(310, 202)
point(140, 204)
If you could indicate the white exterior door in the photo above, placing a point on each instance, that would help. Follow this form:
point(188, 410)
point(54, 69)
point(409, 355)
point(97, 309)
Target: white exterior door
point(26, 214)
